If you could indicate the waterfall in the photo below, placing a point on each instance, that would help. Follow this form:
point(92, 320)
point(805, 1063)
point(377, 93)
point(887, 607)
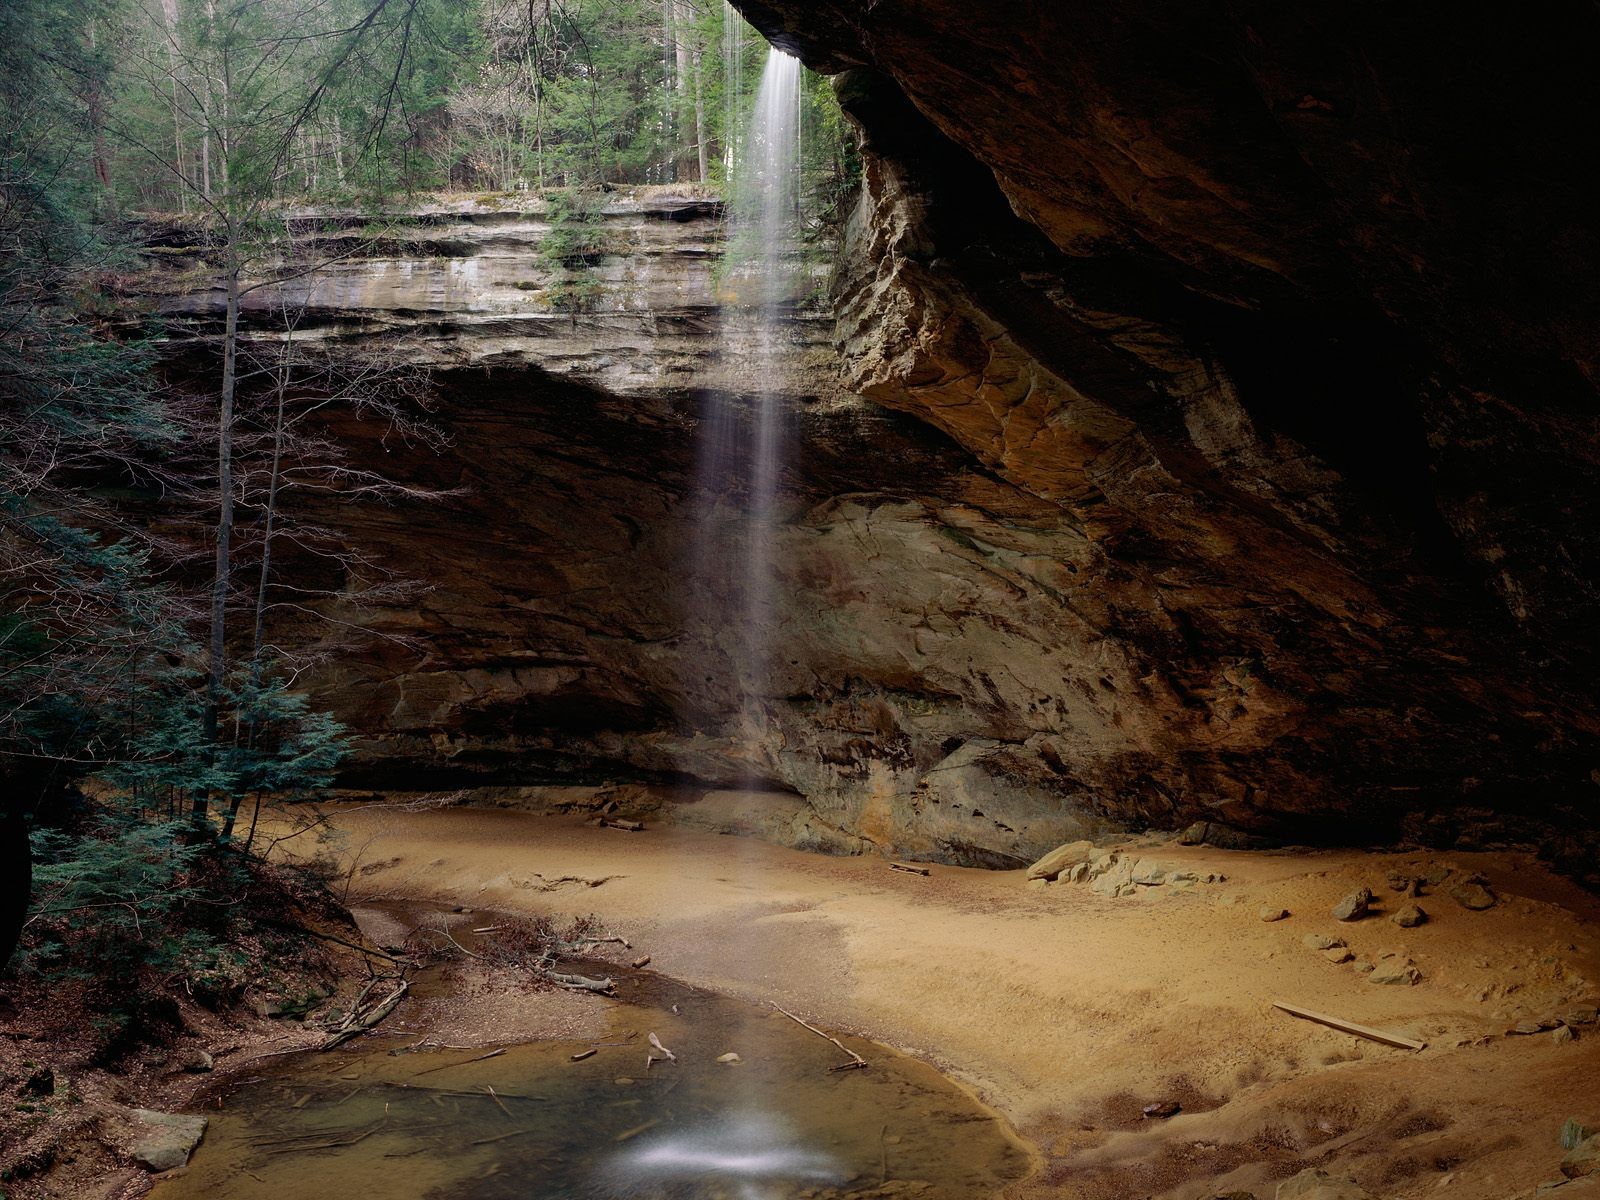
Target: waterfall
point(744, 438)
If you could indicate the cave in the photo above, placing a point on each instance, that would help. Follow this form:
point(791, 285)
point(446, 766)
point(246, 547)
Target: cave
point(1070, 659)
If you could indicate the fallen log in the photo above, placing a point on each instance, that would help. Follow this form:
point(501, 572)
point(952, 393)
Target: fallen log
point(583, 1054)
point(620, 823)
point(1343, 1026)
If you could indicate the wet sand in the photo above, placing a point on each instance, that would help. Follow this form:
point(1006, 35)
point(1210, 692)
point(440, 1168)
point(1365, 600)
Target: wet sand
point(1070, 1011)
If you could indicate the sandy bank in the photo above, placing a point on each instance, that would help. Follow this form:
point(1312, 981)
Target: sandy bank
point(1069, 1011)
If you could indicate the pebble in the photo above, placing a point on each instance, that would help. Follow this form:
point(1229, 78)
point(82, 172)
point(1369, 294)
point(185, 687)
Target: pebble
point(1269, 913)
point(1321, 941)
point(730, 1058)
point(1338, 954)
point(1563, 1035)
point(1409, 916)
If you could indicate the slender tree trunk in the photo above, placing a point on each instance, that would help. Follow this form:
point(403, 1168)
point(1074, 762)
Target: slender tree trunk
point(217, 676)
point(16, 876)
point(700, 120)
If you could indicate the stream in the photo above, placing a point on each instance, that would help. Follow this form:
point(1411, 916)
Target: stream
point(372, 1121)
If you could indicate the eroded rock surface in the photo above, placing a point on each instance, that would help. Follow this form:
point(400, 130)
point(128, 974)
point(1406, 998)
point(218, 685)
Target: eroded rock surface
point(1162, 459)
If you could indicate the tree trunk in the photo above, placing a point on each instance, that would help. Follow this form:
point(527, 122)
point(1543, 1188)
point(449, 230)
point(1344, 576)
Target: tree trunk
point(217, 676)
point(700, 120)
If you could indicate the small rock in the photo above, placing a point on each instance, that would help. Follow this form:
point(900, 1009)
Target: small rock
point(1074, 874)
point(1580, 1016)
point(1397, 971)
point(1234, 1195)
point(1472, 894)
point(1398, 882)
point(1321, 941)
point(1319, 1185)
point(1338, 954)
point(1527, 1027)
point(730, 1058)
point(264, 1006)
point(1195, 835)
point(1563, 1035)
point(1269, 913)
point(164, 1141)
point(622, 1081)
point(1436, 875)
point(1583, 1159)
point(1409, 916)
point(1161, 1109)
point(193, 1060)
point(1575, 1131)
point(1354, 906)
point(1363, 967)
point(1148, 873)
point(1061, 858)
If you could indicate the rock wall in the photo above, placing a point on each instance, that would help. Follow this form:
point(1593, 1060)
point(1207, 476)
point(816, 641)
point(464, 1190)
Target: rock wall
point(1151, 468)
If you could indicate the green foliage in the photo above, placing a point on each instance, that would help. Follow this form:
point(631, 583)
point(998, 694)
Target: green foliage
point(574, 246)
point(114, 899)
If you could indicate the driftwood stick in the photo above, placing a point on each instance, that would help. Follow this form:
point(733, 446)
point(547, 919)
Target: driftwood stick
point(583, 1054)
point(580, 983)
point(656, 1042)
point(374, 1015)
point(1343, 1026)
point(855, 1059)
point(464, 1062)
point(500, 1137)
point(909, 869)
point(497, 1099)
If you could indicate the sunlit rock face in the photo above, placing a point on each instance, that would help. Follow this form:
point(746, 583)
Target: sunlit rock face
point(1083, 533)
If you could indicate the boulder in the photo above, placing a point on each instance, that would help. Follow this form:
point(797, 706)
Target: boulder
point(163, 1141)
point(1473, 894)
point(1583, 1159)
point(1354, 906)
point(1315, 1184)
point(1060, 859)
point(1409, 916)
point(1575, 1131)
point(1396, 971)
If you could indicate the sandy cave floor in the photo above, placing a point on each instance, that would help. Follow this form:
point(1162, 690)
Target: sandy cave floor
point(1068, 1011)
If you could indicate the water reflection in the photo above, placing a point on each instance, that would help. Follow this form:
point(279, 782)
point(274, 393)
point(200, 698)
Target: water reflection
point(759, 1153)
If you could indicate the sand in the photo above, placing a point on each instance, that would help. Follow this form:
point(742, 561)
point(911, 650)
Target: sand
point(1068, 1011)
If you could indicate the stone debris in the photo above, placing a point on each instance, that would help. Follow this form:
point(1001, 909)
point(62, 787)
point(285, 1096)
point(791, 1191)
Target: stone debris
point(1160, 1110)
point(163, 1141)
point(1060, 859)
point(1315, 1184)
point(1563, 1035)
point(1354, 906)
point(1585, 1015)
point(1473, 894)
point(1583, 1159)
point(1410, 916)
point(1272, 913)
point(1395, 969)
point(730, 1059)
point(1574, 1131)
point(1338, 954)
point(1321, 941)
point(1113, 872)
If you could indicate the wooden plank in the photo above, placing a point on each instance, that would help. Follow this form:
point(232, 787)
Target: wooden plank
point(1343, 1026)
point(909, 869)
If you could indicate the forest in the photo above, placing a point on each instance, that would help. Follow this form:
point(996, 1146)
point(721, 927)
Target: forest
point(145, 713)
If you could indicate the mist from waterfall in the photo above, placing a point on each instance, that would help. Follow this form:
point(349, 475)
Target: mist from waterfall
point(744, 439)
